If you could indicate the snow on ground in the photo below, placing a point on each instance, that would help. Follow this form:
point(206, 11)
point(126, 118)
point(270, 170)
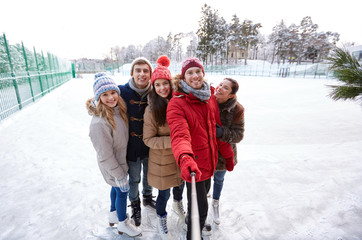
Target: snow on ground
point(299, 173)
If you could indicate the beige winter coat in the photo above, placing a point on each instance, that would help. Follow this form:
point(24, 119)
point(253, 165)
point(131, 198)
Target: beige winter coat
point(163, 172)
point(110, 145)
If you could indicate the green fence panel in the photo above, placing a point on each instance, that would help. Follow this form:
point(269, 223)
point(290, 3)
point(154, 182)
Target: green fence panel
point(26, 76)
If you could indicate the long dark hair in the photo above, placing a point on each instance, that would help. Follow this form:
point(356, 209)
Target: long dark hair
point(159, 105)
point(234, 85)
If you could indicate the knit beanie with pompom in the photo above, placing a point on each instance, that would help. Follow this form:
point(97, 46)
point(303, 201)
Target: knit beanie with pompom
point(103, 83)
point(161, 71)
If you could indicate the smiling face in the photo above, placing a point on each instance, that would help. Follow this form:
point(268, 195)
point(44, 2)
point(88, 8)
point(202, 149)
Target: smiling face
point(223, 91)
point(162, 87)
point(109, 98)
point(141, 75)
point(194, 77)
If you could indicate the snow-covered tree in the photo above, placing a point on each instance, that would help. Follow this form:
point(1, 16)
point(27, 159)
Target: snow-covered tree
point(132, 52)
point(192, 47)
point(279, 38)
point(249, 33)
point(169, 45)
point(292, 42)
point(235, 37)
point(298, 42)
point(177, 46)
point(4, 63)
point(207, 32)
point(220, 41)
point(307, 32)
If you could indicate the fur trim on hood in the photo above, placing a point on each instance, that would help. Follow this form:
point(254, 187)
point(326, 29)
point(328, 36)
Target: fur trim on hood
point(176, 82)
point(91, 106)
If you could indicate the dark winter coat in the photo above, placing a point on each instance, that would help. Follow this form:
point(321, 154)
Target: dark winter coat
point(135, 108)
point(193, 130)
point(233, 124)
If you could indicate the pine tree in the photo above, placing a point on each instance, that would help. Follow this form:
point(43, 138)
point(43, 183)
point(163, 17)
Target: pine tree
point(208, 33)
point(235, 36)
point(249, 32)
point(349, 72)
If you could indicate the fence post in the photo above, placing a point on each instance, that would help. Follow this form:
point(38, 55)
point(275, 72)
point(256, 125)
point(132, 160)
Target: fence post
point(46, 74)
point(12, 73)
point(316, 70)
point(73, 70)
point(50, 69)
point(56, 70)
point(37, 67)
point(27, 71)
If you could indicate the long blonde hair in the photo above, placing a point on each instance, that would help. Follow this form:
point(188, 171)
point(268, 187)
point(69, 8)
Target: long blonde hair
point(102, 110)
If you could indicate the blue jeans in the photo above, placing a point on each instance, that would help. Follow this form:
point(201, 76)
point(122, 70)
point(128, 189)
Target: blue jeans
point(134, 172)
point(164, 195)
point(119, 203)
point(218, 183)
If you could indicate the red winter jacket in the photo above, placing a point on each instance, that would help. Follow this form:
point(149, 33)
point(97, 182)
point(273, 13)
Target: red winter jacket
point(193, 131)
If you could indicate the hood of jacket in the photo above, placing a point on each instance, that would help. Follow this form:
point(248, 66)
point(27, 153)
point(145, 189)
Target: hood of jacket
point(91, 106)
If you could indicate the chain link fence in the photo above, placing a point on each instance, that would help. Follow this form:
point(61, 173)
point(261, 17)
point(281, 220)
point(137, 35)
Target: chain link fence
point(26, 76)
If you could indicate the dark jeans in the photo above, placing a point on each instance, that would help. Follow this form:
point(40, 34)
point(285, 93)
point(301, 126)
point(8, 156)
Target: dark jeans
point(134, 171)
point(119, 203)
point(202, 188)
point(164, 195)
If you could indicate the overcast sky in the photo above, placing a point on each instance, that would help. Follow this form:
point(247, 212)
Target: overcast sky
point(89, 28)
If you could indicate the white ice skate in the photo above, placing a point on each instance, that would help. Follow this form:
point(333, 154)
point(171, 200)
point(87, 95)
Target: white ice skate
point(178, 208)
point(126, 227)
point(215, 209)
point(113, 218)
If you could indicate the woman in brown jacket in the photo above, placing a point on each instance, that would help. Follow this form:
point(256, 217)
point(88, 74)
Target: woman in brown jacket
point(232, 131)
point(163, 172)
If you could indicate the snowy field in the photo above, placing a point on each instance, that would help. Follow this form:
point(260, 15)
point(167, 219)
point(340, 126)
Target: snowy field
point(299, 173)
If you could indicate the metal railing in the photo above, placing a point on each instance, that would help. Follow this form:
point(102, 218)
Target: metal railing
point(26, 76)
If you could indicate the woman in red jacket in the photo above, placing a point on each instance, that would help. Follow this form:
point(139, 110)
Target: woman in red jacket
point(192, 114)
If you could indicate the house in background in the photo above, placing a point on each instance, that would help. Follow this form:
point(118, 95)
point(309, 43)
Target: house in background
point(356, 51)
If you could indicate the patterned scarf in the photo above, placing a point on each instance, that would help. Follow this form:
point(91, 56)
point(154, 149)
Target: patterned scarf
point(142, 92)
point(203, 94)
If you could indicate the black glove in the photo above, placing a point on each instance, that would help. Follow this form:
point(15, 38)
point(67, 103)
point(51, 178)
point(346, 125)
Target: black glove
point(219, 131)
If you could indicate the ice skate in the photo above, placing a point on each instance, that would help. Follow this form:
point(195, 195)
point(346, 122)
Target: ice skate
point(136, 212)
point(126, 227)
point(215, 209)
point(162, 227)
point(178, 208)
point(149, 202)
point(113, 218)
point(206, 230)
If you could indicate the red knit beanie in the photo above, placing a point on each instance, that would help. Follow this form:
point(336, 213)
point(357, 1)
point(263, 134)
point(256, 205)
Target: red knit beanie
point(189, 63)
point(161, 71)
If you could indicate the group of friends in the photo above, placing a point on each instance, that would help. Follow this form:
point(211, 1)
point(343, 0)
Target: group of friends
point(166, 127)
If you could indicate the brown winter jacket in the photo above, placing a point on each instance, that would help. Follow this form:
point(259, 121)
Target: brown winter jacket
point(110, 145)
point(233, 124)
point(163, 171)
